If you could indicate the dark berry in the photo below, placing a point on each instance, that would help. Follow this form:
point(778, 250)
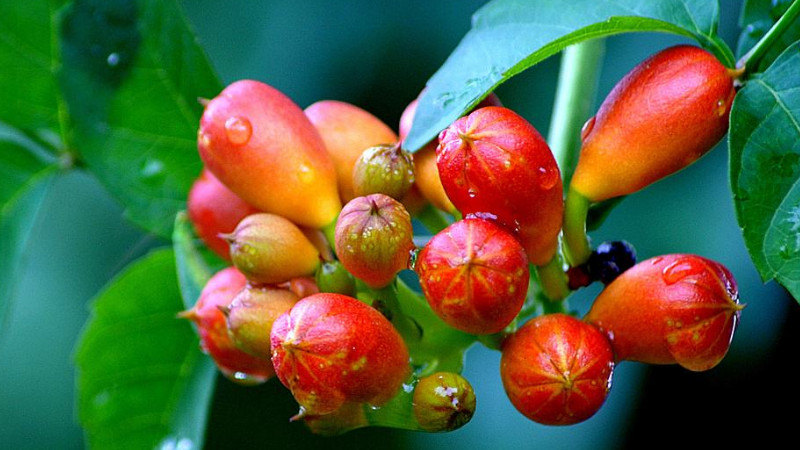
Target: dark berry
point(610, 259)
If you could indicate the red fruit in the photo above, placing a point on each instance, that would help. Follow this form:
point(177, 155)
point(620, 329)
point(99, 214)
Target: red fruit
point(331, 349)
point(670, 309)
point(215, 209)
point(662, 116)
point(474, 274)
point(374, 238)
point(557, 370)
point(495, 163)
point(234, 363)
point(426, 174)
point(261, 145)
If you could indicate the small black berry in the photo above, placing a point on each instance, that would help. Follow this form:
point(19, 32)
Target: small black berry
point(610, 259)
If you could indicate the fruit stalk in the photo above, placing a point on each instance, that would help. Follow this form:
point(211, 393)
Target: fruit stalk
point(751, 58)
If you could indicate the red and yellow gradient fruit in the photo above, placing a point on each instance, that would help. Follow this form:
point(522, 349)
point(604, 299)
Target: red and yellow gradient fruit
point(331, 350)
point(556, 369)
point(374, 238)
point(663, 115)
point(474, 274)
point(270, 249)
point(669, 309)
point(214, 209)
point(237, 365)
point(261, 145)
point(347, 131)
point(494, 163)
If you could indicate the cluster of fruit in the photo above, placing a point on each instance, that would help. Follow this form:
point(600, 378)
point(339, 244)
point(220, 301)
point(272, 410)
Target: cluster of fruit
point(313, 209)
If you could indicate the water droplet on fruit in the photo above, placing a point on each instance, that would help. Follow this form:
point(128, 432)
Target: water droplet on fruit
point(472, 193)
point(548, 177)
point(507, 163)
point(305, 174)
point(681, 269)
point(238, 129)
point(722, 108)
point(587, 128)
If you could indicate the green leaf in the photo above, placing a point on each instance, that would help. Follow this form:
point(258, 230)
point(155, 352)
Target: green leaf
point(758, 16)
point(25, 180)
point(764, 143)
point(132, 75)
point(29, 58)
point(142, 379)
point(194, 262)
point(509, 36)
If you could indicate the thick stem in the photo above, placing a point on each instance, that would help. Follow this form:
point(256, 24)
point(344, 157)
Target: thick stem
point(577, 248)
point(750, 60)
point(575, 95)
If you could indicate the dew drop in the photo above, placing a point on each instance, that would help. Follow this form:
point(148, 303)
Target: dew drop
point(548, 177)
point(722, 108)
point(238, 129)
point(587, 128)
point(305, 174)
point(472, 193)
point(113, 59)
point(681, 269)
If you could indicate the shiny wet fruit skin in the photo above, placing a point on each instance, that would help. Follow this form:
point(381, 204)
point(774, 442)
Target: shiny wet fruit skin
point(494, 163)
point(261, 145)
point(663, 115)
point(331, 350)
point(426, 174)
point(474, 274)
point(374, 238)
point(557, 369)
point(676, 308)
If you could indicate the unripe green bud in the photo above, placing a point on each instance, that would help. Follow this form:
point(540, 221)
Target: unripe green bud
point(333, 277)
point(384, 169)
point(443, 401)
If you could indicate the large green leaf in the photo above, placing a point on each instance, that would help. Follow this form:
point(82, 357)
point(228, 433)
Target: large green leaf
point(29, 61)
point(764, 143)
point(142, 379)
point(25, 179)
point(132, 76)
point(509, 36)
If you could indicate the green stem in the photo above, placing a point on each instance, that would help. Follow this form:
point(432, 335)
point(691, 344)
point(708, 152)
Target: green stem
point(750, 60)
point(577, 248)
point(553, 279)
point(575, 95)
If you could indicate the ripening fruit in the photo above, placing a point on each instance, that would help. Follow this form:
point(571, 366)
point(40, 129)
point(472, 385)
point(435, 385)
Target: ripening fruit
point(474, 275)
point(235, 364)
point(426, 174)
point(332, 349)
point(443, 401)
point(374, 238)
point(261, 145)
point(270, 249)
point(251, 313)
point(215, 209)
point(494, 163)
point(556, 369)
point(670, 309)
point(347, 131)
point(663, 115)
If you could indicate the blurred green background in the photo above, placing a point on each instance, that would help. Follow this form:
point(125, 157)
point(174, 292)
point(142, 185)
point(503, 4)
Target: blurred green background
point(378, 55)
